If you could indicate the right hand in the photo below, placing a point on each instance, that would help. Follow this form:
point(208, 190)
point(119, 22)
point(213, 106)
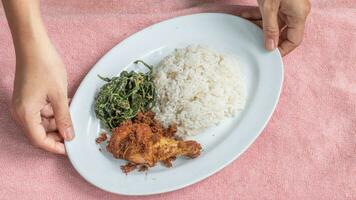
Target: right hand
point(283, 22)
point(39, 102)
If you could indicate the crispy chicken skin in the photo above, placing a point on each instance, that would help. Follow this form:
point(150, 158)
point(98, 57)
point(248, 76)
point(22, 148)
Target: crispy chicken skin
point(144, 141)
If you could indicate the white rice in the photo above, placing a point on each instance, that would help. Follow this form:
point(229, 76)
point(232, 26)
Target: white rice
point(197, 88)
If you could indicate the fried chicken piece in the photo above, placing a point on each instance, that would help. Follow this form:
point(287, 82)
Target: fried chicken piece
point(171, 130)
point(128, 167)
point(143, 168)
point(168, 162)
point(145, 142)
point(102, 138)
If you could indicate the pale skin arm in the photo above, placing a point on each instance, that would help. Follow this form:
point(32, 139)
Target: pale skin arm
point(39, 102)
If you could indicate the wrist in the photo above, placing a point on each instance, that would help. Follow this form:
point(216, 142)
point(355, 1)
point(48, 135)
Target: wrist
point(30, 37)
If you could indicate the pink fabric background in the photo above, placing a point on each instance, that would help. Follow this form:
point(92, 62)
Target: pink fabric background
point(307, 151)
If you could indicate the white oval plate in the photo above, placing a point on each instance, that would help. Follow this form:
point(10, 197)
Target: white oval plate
point(262, 72)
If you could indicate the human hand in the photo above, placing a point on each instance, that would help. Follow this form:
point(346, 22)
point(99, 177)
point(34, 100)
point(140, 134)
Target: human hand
point(39, 102)
point(283, 22)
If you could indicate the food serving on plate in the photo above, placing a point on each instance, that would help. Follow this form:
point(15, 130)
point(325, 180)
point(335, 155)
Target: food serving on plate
point(149, 114)
point(143, 142)
point(197, 87)
point(122, 97)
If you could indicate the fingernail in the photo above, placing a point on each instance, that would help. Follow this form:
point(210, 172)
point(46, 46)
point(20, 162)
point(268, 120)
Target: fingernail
point(270, 44)
point(69, 133)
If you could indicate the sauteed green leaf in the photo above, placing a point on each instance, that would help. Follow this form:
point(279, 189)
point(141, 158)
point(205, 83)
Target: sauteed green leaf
point(122, 97)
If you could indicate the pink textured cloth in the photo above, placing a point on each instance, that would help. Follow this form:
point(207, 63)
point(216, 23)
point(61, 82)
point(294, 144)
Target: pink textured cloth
point(307, 151)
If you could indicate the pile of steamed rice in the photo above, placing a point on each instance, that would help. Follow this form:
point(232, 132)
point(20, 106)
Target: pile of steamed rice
point(197, 88)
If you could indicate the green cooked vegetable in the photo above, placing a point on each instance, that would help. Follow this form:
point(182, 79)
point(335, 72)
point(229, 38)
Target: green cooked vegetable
point(122, 97)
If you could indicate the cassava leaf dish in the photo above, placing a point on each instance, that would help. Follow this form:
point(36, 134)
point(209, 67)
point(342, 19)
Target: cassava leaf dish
point(122, 97)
